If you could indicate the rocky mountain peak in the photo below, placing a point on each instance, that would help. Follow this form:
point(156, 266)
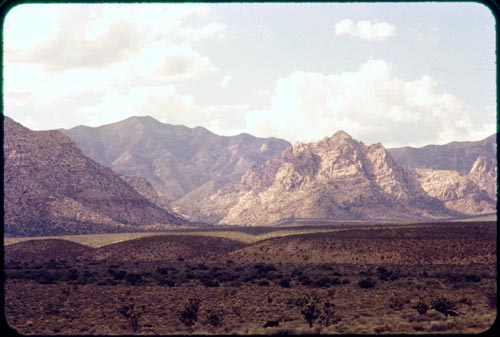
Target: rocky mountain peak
point(341, 136)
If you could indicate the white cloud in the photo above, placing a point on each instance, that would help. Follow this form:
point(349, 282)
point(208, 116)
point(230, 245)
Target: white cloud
point(225, 81)
point(80, 59)
point(371, 104)
point(167, 62)
point(191, 34)
point(366, 30)
point(97, 36)
point(104, 106)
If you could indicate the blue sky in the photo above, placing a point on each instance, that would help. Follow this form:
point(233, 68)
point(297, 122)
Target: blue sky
point(399, 74)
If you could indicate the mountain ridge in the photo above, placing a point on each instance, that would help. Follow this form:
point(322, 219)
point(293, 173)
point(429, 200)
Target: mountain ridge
point(51, 187)
point(165, 154)
point(337, 177)
point(241, 179)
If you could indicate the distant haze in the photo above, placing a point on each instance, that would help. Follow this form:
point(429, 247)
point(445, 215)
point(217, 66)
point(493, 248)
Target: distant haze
point(400, 74)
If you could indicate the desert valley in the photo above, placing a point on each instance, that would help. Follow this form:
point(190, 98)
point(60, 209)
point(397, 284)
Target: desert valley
point(141, 227)
point(260, 168)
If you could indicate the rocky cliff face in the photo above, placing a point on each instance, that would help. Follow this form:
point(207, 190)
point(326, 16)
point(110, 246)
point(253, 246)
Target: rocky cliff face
point(337, 177)
point(176, 160)
point(51, 188)
point(461, 174)
point(458, 192)
point(484, 174)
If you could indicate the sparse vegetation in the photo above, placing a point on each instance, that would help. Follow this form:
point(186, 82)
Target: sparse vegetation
point(310, 311)
point(421, 307)
point(492, 299)
point(251, 293)
point(443, 304)
point(189, 315)
point(396, 302)
point(131, 315)
point(367, 283)
point(215, 318)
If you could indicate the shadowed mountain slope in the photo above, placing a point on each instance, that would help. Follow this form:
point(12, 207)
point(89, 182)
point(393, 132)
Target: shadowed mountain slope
point(455, 156)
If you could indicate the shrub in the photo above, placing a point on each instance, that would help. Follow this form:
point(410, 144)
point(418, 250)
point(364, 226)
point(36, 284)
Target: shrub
point(367, 283)
point(384, 328)
point(465, 300)
point(492, 299)
point(326, 267)
point(134, 279)
point(442, 304)
point(162, 271)
point(210, 282)
point(215, 318)
point(321, 282)
point(421, 307)
point(228, 277)
point(285, 283)
point(166, 282)
point(305, 280)
point(396, 302)
point(384, 274)
point(310, 312)
point(202, 266)
point(118, 274)
point(131, 315)
point(472, 278)
point(73, 274)
point(189, 315)
point(45, 277)
point(263, 283)
point(327, 317)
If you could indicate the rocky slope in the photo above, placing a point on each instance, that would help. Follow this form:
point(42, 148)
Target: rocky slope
point(174, 159)
point(458, 192)
point(455, 156)
point(144, 188)
point(461, 174)
point(337, 177)
point(51, 188)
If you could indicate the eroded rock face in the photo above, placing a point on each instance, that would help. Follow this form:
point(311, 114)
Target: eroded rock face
point(341, 178)
point(484, 174)
point(51, 188)
point(337, 177)
point(458, 192)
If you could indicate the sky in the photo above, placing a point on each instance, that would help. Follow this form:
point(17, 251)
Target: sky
point(400, 74)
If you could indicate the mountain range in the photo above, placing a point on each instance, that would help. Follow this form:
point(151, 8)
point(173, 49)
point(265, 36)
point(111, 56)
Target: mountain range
point(51, 188)
point(341, 178)
point(166, 174)
point(174, 159)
